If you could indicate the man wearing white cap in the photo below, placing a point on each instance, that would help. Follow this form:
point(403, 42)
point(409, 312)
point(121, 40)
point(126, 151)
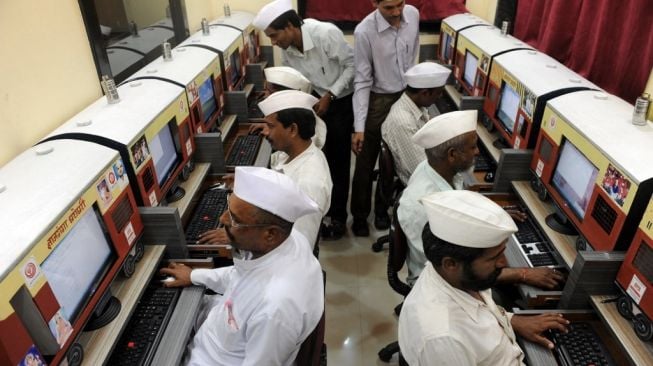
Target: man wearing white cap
point(450, 142)
point(425, 83)
point(272, 297)
point(386, 46)
point(290, 121)
point(319, 51)
point(280, 78)
point(449, 317)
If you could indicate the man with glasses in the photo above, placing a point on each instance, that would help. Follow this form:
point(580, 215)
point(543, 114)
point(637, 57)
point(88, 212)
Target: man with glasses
point(272, 297)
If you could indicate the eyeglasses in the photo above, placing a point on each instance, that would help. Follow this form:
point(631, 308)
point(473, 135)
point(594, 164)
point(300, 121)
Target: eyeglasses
point(235, 224)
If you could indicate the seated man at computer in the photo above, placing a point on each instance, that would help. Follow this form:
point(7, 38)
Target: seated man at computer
point(449, 317)
point(272, 297)
point(449, 141)
point(408, 114)
point(289, 123)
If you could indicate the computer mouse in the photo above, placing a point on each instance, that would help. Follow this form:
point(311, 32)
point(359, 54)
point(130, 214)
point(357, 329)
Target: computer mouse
point(489, 177)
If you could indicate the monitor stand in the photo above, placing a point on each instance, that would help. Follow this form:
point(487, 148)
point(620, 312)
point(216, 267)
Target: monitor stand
point(500, 143)
point(175, 193)
point(105, 311)
point(558, 222)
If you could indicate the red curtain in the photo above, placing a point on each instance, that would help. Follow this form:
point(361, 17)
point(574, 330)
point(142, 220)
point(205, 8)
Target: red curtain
point(356, 10)
point(609, 42)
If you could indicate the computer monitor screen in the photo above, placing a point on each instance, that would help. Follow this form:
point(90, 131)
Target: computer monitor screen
point(207, 98)
point(471, 64)
point(78, 264)
point(235, 67)
point(508, 106)
point(445, 51)
point(574, 178)
point(164, 152)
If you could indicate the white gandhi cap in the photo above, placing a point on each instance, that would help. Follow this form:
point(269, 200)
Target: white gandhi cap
point(445, 127)
point(270, 12)
point(287, 77)
point(272, 192)
point(427, 75)
point(286, 99)
point(467, 218)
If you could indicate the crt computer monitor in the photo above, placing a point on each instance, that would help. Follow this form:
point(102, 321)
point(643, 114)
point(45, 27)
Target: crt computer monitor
point(508, 106)
point(166, 151)
point(574, 177)
point(207, 99)
point(79, 263)
point(471, 64)
point(235, 68)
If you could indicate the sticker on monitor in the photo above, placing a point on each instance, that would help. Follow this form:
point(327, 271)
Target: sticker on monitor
point(60, 328)
point(615, 185)
point(140, 151)
point(485, 61)
point(120, 174)
point(32, 358)
point(529, 103)
point(104, 192)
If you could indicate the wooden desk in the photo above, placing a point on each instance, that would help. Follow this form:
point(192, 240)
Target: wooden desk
point(637, 351)
point(98, 344)
point(564, 244)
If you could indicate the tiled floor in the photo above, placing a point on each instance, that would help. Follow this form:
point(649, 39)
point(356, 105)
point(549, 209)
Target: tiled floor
point(359, 302)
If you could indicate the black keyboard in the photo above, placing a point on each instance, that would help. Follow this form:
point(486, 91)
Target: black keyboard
point(533, 245)
point(244, 149)
point(139, 342)
point(580, 347)
point(483, 161)
point(206, 214)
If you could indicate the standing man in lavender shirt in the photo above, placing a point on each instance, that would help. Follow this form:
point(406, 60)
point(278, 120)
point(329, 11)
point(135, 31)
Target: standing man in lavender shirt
point(386, 46)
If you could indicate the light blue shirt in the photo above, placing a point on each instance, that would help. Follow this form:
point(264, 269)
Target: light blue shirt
point(382, 55)
point(327, 60)
point(412, 216)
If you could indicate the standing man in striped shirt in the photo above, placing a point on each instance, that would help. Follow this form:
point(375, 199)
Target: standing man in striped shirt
point(386, 46)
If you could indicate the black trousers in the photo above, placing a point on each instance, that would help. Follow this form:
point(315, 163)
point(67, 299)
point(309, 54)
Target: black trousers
point(361, 190)
point(339, 120)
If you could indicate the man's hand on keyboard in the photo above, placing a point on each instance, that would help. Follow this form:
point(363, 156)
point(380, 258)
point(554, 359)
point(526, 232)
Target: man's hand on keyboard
point(517, 214)
point(543, 277)
point(180, 272)
point(215, 236)
point(256, 128)
point(532, 327)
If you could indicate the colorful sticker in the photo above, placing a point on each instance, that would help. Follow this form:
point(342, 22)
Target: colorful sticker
point(60, 328)
point(539, 168)
point(199, 129)
point(636, 289)
point(189, 147)
point(130, 234)
point(120, 173)
point(32, 358)
point(192, 92)
point(516, 144)
point(615, 185)
point(529, 103)
point(31, 272)
point(485, 61)
point(153, 200)
point(552, 122)
point(104, 192)
point(140, 151)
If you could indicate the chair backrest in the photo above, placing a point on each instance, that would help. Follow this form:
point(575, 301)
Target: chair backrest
point(397, 252)
point(387, 174)
point(311, 348)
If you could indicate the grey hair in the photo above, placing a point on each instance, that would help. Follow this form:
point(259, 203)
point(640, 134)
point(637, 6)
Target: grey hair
point(439, 152)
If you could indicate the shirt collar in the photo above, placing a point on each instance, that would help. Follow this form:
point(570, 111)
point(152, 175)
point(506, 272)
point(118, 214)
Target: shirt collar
point(244, 263)
point(307, 41)
point(417, 112)
point(467, 302)
point(382, 24)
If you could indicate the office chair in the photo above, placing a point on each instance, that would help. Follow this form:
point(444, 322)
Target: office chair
point(389, 186)
point(397, 252)
point(310, 352)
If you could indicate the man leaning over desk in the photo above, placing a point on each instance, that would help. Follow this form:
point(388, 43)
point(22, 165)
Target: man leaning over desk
point(272, 298)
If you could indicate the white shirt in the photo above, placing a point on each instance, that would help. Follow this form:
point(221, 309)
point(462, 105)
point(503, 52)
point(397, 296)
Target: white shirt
point(442, 325)
point(382, 55)
point(412, 216)
point(327, 60)
point(404, 119)
point(269, 306)
point(320, 132)
point(310, 171)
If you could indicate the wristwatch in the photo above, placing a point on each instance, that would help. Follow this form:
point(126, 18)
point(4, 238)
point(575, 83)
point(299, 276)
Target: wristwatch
point(331, 96)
